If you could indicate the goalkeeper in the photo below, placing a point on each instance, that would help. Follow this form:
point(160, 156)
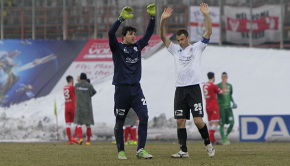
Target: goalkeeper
point(127, 75)
point(225, 109)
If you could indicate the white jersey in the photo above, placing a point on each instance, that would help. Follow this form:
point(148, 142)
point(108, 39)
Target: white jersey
point(187, 63)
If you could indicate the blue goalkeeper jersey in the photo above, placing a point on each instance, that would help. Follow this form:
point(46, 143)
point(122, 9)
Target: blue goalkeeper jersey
point(127, 58)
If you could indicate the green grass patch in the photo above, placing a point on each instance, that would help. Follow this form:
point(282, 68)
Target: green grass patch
point(105, 153)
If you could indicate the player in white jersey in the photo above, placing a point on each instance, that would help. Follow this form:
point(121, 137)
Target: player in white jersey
point(188, 95)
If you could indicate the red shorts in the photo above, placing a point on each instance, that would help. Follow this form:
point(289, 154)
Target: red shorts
point(213, 115)
point(69, 116)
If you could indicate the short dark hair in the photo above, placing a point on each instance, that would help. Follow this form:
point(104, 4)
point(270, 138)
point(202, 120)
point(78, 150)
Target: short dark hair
point(182, 31)
point(224, 73)
point(83, 76)
point(210, 75)
point(126, 29)
point(69, 78)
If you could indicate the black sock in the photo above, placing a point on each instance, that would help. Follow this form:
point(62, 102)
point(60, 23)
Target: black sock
point(119, 136)
point(142, 133)
point(182, 137)
point(204, 135)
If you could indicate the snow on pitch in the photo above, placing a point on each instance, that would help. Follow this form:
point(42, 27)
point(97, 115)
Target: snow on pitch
point(259, 78)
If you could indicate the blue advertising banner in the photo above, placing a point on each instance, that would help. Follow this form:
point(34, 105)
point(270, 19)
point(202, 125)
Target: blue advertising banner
point(263, 127)
point(31, 68)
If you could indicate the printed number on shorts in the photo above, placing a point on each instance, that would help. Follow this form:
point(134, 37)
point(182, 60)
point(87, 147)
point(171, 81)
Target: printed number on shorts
point(197, 107)
point(144, 101)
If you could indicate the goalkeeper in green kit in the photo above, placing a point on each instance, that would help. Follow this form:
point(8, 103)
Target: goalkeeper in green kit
point(225, 108)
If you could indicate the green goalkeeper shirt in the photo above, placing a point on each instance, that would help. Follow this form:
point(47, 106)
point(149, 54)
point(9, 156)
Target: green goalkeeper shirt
point(224, 101)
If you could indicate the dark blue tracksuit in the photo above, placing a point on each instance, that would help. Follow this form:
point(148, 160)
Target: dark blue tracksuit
point(127, 75)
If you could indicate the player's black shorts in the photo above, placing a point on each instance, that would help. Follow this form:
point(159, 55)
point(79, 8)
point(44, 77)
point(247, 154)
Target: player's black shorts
point(186, 99)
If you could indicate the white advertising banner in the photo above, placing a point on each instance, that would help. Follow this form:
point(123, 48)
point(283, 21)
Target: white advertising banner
point(265, 24)
point(197, 24)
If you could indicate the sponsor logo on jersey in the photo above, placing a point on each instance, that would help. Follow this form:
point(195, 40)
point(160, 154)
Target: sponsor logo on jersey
point(130, 60)
point(185, 59)
point(184, 55)
point(82, 88)
point(178, 112)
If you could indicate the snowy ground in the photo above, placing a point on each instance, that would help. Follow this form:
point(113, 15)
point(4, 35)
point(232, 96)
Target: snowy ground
point(259, 78)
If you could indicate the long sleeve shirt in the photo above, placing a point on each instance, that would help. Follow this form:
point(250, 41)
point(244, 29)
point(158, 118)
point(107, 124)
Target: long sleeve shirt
point(127, 58)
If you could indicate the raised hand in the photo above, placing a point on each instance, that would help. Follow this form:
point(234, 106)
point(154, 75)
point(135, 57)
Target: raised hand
point(234, 105)
point(204, 8)
point(166, 13)
point(125, 12)
point(151, 9)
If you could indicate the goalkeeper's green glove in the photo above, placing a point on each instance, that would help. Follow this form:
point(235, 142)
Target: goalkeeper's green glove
point(125, 13)
point(151, 10)
point(234, 105)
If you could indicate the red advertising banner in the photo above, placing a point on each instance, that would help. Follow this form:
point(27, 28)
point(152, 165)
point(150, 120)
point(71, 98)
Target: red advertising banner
point(99, 49)
point(95, 50)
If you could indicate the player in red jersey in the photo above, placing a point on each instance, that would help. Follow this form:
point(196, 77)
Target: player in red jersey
point(210, 91)
point(130, 127)
point(69, 96)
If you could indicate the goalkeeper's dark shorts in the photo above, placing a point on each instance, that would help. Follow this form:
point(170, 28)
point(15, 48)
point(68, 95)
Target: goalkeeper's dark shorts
point(127, 97)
